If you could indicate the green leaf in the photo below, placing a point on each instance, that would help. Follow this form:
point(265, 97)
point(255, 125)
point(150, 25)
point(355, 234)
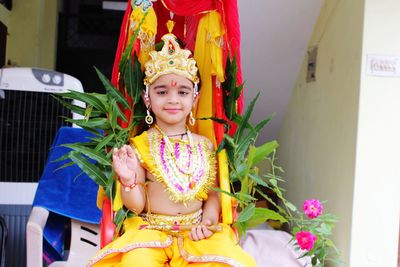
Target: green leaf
point(105, 141)
point(111, 90)
point(220, 147)
point(134, 79)
point(324, 229)
point(91, 153)
point(68, 164)
point(119, 112)
point(74, 108)
point(231, 91)
point(118, 221)
point(263, 151)
point(257, 179)
point(241, 227)
point(111, 185)
point(262, 215)
point(246, 213)
point(250, 158)
point(88, 98)
point(219, 120)
point(241, 168)
point(225, 192)
point(290, 206)
point(95, 123)
point(244, 197)
point(266, 197)
point(126, 55)
point(120, 216)
point(112, 115)
point(230, 141)
point(90, 169)
point(244, 143)
point(261, 124)
point(64, 157)
point(245, 119)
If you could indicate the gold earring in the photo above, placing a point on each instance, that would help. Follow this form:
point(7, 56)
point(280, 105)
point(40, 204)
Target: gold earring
point(148, 119)
point(192, 120)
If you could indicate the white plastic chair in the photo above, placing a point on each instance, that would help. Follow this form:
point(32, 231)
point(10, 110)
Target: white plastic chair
point(85, 238)
point(85, 241)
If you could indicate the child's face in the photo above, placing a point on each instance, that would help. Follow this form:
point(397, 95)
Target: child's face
point(171, 98)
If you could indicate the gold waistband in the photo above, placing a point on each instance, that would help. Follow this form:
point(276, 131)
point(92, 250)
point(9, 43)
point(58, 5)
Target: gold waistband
point(184, 219)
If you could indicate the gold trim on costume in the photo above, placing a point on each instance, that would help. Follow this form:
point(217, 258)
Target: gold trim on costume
point(206, 257)
point(150, 244)
point(161, 219)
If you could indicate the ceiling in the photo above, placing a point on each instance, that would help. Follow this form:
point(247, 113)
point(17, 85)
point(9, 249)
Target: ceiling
point(274, 39)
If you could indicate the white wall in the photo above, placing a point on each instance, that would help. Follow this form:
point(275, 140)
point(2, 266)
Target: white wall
point(377, 188)
point(318, 137)
point(340, 139)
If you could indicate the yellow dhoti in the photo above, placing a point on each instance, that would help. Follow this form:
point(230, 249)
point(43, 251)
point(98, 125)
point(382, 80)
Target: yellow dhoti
point(145, 247)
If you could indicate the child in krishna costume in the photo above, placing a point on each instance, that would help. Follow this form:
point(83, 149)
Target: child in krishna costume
point(166, 173)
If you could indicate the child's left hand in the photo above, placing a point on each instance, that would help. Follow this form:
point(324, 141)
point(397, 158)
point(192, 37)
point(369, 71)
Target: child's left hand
point(201, 232)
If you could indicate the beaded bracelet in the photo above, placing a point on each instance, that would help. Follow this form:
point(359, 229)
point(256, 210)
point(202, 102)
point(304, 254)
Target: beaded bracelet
point(128, 188)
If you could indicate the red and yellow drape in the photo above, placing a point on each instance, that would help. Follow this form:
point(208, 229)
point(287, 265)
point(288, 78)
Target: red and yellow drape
point(210, 29)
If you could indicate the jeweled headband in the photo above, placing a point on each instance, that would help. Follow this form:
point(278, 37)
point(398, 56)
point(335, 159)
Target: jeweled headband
point(171, 59)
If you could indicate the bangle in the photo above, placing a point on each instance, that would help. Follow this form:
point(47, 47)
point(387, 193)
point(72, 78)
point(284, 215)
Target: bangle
point(128, 188)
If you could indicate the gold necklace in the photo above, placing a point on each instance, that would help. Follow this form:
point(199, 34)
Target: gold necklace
point(187, 168)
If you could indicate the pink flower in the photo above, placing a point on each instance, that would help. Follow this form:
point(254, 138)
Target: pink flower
point(305, 240)
point(312, 208)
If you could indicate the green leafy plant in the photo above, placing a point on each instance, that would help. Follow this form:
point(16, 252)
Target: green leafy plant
point(103, 115)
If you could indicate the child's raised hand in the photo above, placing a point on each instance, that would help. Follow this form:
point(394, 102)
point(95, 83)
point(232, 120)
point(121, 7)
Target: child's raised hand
point(200, 231)
point(125, 163)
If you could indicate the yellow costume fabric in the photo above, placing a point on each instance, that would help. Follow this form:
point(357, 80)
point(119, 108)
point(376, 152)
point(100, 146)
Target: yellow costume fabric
point(157, 248)
point(208, 55)
point(141, 246)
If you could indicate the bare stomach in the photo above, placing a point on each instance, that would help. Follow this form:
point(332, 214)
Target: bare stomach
point(160, 203)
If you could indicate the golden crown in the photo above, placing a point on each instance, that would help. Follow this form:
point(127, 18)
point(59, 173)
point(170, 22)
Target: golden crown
point(171, 59)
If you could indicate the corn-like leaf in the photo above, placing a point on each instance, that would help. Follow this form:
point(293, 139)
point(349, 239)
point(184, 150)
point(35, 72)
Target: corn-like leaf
point(263, 151)
point(90, 169)
point(90, 153)
point(245, 119)
point(262, 123)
